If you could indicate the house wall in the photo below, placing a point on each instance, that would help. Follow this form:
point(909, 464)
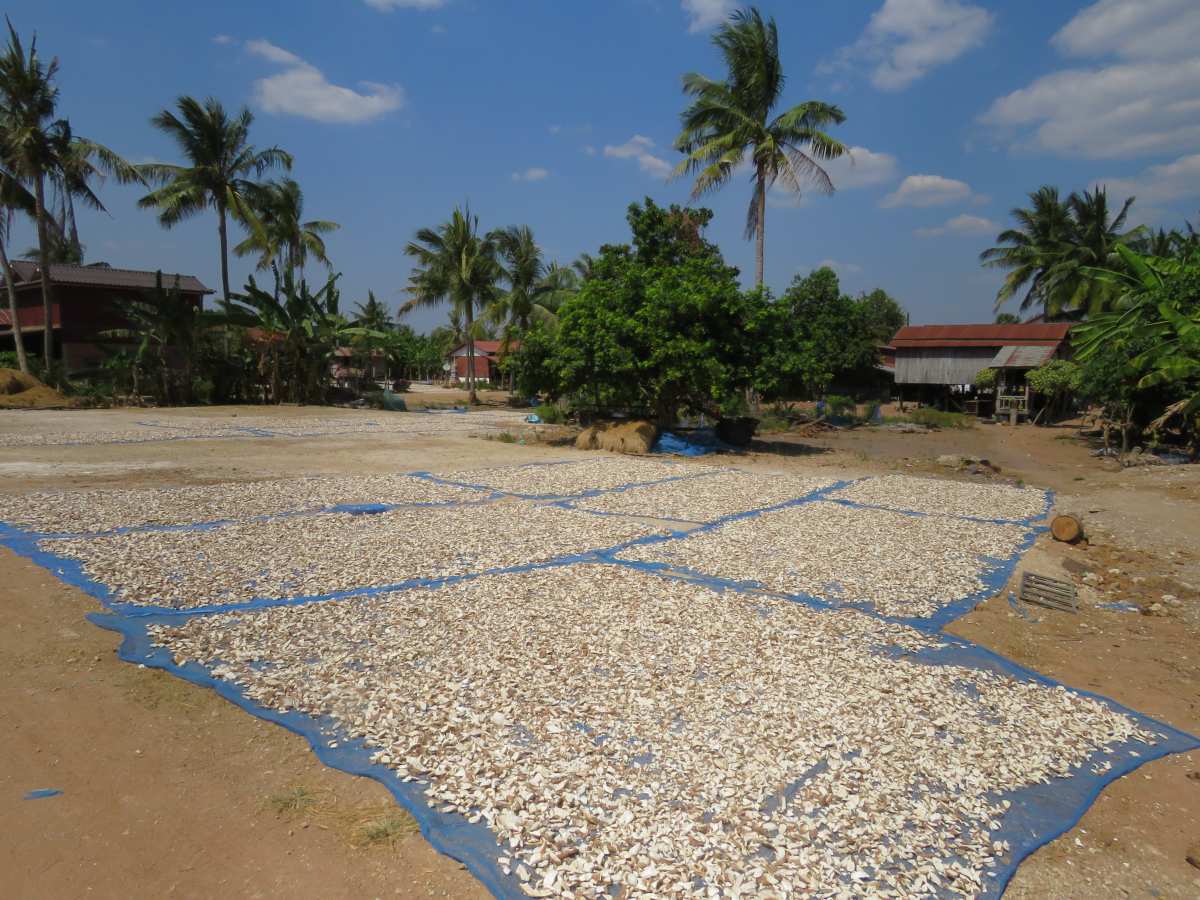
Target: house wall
point(942, 365)
point(79, 315)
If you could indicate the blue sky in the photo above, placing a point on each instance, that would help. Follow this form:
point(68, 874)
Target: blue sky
point(559, 114)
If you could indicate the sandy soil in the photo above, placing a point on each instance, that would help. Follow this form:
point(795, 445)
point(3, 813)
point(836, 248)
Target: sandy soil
point(170, 791)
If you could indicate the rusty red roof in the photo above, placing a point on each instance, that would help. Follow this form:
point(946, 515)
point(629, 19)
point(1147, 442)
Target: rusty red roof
point(487, 348)
point(101, 276)
point(1041, 334)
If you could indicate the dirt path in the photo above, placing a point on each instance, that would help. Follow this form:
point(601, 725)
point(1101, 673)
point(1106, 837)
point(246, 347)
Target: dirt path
point(170, 791)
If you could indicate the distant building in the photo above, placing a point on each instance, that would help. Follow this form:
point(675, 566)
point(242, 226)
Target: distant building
point(934, 360)
point(86, 301)
point(487, 361)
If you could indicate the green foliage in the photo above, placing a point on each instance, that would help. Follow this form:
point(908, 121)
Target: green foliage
point(1141, 361)
point(936, 418)
point(985, 380)
point(658, 327)
point(1055, 244)
point(550, 413)
point(1055, 378)
point(841, 405)
point(882, 315)
point(1006, 318)
point(297, 333)
point(810, 338)
point(729, 122)
point(455, 264)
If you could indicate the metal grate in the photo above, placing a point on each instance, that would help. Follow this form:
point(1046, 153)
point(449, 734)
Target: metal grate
point(1049, 592)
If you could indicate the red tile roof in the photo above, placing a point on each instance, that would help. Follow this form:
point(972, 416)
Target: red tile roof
point(914, 336)
point(488, 348)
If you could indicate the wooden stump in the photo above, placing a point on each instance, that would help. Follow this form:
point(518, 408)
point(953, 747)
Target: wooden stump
point(1066, 528)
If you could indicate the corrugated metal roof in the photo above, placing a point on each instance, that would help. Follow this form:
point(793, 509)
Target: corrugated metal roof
point(107, 277)
point(1021, 357)
point(980, 335)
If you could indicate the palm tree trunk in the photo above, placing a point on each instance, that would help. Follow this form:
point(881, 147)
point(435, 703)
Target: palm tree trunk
point(39, 196)
point(760, 228)
point(223, 231)
point(10, 284)
point(471, 397)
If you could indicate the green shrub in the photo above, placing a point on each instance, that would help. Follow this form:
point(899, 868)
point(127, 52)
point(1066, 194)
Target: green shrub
point(770, 423)
point(506, 437)
point(202, 390)
point(935, 418)
point(550, 414)
point(986, 379)
point(841, 405)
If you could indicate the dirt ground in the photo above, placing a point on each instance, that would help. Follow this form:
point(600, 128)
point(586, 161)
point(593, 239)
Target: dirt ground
point(170, 791)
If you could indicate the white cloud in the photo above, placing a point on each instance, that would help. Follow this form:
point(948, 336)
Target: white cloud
point(534, 173)
point(905, 39)
point(223, 39)
point(1147, 29)
point(862, 168)
point(927, 190)
point(589, 150)
point(1178, 180)
point(302, 90)
point(961, 225)
point(704, 14)
point(1145, 101)
point(554, 129)
point(389, 5)
point(842, 268)
point(638, 147)
point(437, 29)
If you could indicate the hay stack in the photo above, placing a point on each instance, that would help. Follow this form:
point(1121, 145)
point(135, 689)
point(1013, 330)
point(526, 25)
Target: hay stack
point(623, 437)
point(21, 391)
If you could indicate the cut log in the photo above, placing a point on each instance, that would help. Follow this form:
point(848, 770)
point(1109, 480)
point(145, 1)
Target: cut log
point(1066, 528)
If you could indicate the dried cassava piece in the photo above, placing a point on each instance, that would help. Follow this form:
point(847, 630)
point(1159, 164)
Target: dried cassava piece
point(615, 730)
point(705, 499)
point(901, 564)
point(572, 477)
point(947, 498)
point(334, 552)
point(102, 510)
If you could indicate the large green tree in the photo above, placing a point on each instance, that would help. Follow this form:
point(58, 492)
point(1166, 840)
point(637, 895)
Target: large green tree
point(41, 152)
point(219, 173)
point(659, 327)
point(1053, 247)
point(730, 122)
point(456, 264)
point(812, 338)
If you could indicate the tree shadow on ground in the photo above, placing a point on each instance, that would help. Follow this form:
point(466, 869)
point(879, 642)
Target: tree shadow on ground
point(778, 447)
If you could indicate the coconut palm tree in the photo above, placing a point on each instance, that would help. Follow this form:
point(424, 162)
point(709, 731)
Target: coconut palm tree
point(1055, 244)
point(284, 236)
point(458, 265)
point(14, 198)
point(730, 122)
point(42, 151)
point(535, 289)
point(221, 163)
point(372, 314)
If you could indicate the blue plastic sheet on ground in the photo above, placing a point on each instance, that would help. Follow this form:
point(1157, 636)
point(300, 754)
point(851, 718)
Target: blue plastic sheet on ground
point(474, 846)
point(690, 444)
point(1120, 606)
point(43, 794)
point(1038, 814)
